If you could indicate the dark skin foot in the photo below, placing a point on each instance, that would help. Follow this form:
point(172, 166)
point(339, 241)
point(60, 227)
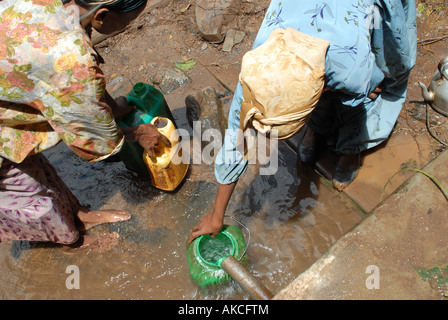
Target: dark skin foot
point(87, 243)
point(91, 218)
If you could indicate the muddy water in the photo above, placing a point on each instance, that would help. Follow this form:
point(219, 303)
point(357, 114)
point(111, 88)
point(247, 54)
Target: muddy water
point(293, 219)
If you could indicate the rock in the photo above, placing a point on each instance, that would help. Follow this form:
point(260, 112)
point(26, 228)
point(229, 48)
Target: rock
point(205, 115)
point(193, 110)
point(119, 86)
point(204, 112)
point(173, 79)
point(254, 7)
point(206, 107)
point(211, 15)
point(233, 37)
point(239, 36)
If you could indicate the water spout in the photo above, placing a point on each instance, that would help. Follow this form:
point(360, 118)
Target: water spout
point(244, 278)
point(428, 96)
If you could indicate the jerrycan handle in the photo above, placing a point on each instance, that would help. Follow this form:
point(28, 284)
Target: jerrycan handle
point(160, 123)
point(248, 231)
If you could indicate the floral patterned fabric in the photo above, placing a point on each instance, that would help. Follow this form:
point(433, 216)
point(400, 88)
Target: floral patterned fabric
point(372, 42)
point(51, 88)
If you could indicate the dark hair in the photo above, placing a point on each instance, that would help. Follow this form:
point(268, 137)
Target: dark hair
point(114, 5)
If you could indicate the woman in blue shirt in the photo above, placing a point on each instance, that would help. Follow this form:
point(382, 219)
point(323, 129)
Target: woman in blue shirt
point(372, 51)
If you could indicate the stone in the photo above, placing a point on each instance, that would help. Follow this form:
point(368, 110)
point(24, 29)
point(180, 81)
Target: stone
point(173, 79)
point(211, 112)
point(119, 86)
point(239, 36)
point(193, 109)
point(211, 15)
point(233, 37)
point(204, 111)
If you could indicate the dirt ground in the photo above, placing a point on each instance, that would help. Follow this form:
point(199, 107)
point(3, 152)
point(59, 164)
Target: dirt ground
point(432, 32)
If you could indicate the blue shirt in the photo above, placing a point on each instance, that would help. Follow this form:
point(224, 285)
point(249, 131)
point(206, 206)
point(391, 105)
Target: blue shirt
point(371, 42)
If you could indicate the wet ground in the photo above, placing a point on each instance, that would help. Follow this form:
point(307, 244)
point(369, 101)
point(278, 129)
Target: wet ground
point(292, 220)
point(294, 216)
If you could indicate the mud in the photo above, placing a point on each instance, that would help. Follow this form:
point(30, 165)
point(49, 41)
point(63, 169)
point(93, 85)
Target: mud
point(294, 216)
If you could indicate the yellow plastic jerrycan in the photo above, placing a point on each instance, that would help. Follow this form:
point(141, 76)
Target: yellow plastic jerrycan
point(165, 174)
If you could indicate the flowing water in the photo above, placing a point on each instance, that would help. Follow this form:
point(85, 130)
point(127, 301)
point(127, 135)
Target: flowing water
point(212, 250)
point(292, 216)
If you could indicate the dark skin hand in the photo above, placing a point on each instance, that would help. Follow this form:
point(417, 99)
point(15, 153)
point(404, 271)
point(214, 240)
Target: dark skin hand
point(119, 105)
point(375, 93)
point(145, 134)
point(212, 222)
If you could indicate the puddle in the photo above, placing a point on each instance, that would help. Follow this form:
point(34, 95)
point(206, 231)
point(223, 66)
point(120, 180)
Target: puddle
point(293, 219)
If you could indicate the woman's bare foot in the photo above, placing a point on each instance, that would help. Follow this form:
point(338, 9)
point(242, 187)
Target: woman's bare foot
point(99, 244)
point(91, 218)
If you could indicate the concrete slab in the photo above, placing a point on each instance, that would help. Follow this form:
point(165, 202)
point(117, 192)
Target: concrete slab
point(379, 258)
point(379, 165)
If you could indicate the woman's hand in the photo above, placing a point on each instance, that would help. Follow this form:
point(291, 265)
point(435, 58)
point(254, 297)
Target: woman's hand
point(375, 93)
point(210, 224)
point(150, 138)
point(147, 136)
point(121, 107)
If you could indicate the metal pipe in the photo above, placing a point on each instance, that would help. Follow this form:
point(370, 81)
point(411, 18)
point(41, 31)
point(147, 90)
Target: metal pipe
point(244, 278)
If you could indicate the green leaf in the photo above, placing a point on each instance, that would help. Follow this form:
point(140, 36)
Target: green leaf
point(432, 178)
point(10, 51)
point(186, 64)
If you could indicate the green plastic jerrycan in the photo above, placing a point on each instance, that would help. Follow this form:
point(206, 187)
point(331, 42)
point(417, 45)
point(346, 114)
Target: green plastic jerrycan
point(150, 103)
point(205, 255)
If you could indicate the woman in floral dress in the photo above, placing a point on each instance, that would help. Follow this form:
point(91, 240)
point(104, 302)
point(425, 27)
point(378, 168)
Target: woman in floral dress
point(52, 90)
point(372, 51)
